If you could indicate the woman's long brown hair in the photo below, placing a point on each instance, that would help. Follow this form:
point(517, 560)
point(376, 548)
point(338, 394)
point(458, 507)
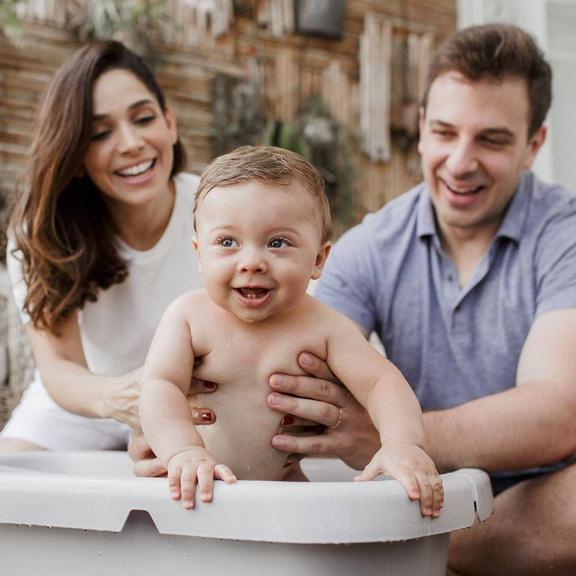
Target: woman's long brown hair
point(64, 234)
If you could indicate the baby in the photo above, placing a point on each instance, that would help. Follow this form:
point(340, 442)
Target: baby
point(263, 225)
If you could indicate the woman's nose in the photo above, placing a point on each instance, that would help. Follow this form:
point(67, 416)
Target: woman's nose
point(129, 139)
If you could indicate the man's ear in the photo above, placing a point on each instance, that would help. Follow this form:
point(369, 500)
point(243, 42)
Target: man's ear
point(321, 258)
point(534, 145)
point(421, 126)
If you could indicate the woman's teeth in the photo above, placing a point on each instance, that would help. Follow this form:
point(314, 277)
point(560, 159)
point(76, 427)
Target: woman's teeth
point(136, 170)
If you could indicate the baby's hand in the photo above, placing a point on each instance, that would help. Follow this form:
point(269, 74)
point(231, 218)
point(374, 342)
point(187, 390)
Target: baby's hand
point(411, 466)
point(191, 466)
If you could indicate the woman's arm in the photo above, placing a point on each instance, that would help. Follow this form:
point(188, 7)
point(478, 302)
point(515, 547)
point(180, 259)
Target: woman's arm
point(62, 365)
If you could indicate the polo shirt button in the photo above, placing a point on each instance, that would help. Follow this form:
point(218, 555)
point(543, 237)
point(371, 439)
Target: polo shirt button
point(450, 278)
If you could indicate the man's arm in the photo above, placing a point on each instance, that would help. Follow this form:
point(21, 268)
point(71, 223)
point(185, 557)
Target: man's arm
point(530, 425)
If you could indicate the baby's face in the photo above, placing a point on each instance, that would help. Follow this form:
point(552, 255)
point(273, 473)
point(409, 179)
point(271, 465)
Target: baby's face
point(259, 245)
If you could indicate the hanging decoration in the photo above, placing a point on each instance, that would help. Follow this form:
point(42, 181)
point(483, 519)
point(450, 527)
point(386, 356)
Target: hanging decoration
point(375, 63)
point(277, 16)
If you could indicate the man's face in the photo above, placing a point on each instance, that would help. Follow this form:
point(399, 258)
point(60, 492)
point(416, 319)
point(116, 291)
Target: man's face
point(474, 145)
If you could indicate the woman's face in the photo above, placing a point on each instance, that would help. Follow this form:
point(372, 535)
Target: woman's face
point(130, 155)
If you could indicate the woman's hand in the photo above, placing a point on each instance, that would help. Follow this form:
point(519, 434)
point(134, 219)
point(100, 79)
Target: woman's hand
point(145, 461)
point(120, 398)
point(320, 399)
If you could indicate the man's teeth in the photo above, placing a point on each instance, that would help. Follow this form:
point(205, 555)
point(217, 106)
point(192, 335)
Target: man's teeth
point(136, 170)
point(466, 191)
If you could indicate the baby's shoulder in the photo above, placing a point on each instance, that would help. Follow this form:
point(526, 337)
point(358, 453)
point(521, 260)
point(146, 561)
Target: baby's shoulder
point(330, 319)
point(190, 304)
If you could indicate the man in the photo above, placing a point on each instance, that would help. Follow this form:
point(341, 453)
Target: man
point(470, 281)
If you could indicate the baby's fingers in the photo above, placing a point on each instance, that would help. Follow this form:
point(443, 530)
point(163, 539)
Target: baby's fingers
point(371, 471)
point(206, 481)
point(188, 486)
point(426, 492)
point(222, 472)
point(174, 474)
point(437, 495)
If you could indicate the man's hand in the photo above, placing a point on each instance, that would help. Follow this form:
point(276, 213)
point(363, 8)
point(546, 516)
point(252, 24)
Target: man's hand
point(321, 399)
point(145, 461)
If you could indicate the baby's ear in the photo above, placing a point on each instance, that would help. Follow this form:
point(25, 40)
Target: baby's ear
point(197, 250)
point(321, 258)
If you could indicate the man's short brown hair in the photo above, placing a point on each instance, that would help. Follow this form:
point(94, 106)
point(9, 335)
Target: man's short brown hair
point(269, 165)
point(497, 52)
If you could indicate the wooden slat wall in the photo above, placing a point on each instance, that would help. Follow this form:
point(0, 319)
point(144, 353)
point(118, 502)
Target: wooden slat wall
point(296, 66)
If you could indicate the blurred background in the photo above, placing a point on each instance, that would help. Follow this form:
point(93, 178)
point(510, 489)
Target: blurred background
point(338, 81)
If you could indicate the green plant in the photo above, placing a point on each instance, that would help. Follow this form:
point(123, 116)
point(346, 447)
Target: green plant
point(324, 142)
point(136, 23)
point(9, 24)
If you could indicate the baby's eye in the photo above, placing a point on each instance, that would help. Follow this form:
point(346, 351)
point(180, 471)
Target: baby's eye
point(278, 243)
point(226, 242)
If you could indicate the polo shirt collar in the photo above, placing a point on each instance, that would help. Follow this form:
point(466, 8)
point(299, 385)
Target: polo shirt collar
point(511, 226)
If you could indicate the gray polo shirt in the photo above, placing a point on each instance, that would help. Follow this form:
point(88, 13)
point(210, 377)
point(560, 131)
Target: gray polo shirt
point(454, 344)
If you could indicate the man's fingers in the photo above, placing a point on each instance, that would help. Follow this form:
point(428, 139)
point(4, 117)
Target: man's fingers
point(314, 410)
point(315, 367)
point(322, 444)
point(309, 387)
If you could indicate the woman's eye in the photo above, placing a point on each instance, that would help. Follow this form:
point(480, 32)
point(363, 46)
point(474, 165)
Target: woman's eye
point(278, 243)
point(145, 119)
point(99, 135)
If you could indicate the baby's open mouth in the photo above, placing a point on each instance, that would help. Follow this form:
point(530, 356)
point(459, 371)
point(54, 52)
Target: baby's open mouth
point(254, 293)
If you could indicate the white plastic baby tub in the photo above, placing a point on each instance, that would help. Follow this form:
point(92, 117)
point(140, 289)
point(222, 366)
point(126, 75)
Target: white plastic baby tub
point(72, 514)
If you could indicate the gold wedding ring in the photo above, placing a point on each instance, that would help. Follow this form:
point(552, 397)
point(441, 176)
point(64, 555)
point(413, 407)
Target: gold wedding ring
point(338, 422)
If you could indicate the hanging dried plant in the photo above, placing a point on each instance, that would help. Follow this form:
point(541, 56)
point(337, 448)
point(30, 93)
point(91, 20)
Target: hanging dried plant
point(9, 24)
point(136, 23)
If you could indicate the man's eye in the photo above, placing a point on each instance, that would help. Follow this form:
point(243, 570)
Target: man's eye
point(278, 243)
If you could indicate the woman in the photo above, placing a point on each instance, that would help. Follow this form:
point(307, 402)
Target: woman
point(101, 242)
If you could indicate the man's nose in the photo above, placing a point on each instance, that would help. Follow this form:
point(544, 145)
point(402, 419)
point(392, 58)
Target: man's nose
point(462, 160)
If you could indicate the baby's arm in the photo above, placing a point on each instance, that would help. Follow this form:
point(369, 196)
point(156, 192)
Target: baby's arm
point(380, 387)
point(165, 414)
